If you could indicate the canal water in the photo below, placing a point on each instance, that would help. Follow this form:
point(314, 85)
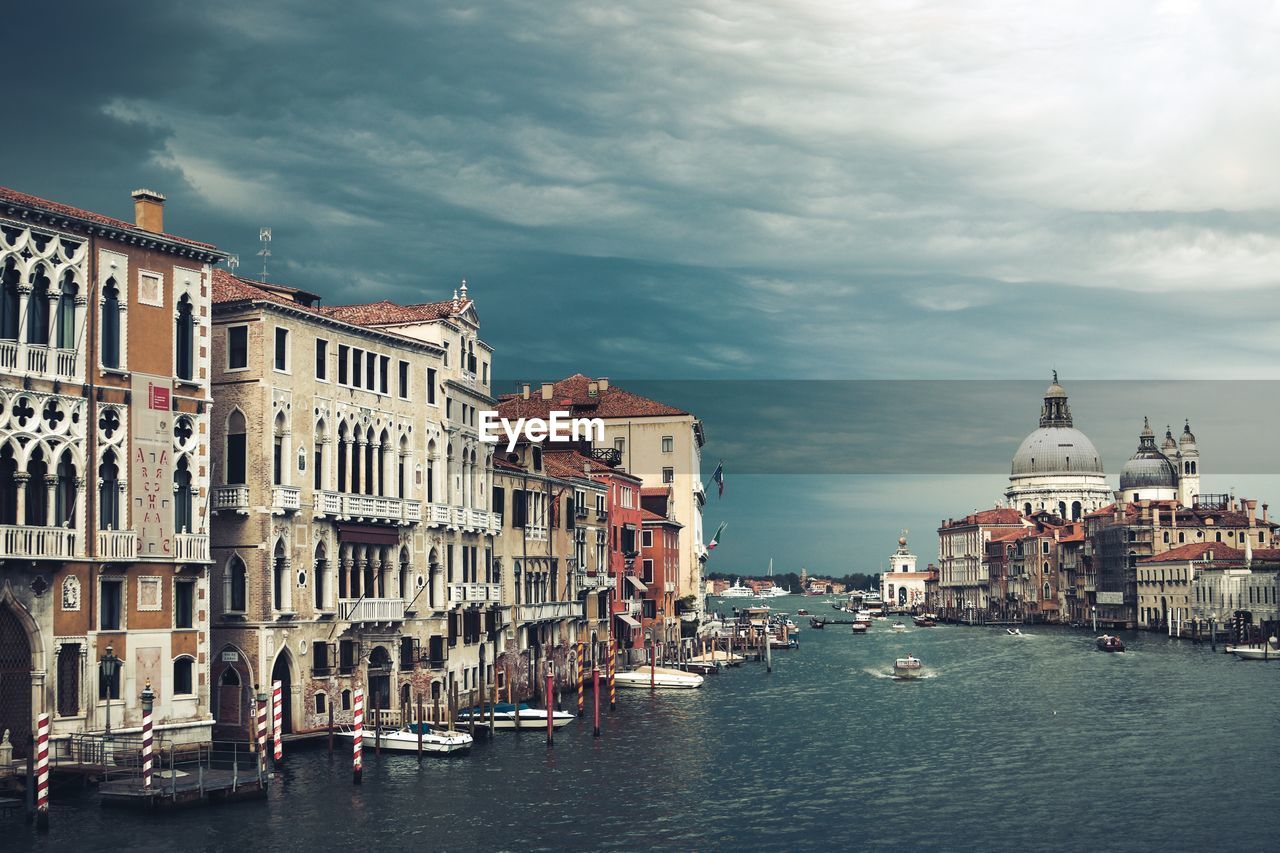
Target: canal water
point(1038, 742)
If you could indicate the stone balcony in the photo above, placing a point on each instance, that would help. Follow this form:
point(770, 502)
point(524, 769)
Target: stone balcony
point(40, 543)
point(595, 580)
point(43, 361)
point(117, 545)
point(371, 609)
point(474, 593)
point(191, 547)
point(370, 508)
point(285, 500)
point(231, 499)
point(549, 611)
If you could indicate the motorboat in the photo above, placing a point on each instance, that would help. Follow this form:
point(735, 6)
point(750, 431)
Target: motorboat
point(898, 627)
point(802, 612)
point(861, 627)
point(776, 642)
point(1262, 652)
point(1014, 632)
point(505, 717)
point(644, 677)
point(1108, 643)
point(924, 622)
point(405, 739)
point(738, 590)
point(908, 667)
point(815, 622)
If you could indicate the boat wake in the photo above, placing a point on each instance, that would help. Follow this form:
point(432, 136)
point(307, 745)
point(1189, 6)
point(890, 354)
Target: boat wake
point(887, 675)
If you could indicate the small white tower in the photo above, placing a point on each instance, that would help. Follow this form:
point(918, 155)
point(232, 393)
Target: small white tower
point(1188, 467)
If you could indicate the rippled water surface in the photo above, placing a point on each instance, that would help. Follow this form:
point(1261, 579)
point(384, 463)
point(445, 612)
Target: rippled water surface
point(1036, 742)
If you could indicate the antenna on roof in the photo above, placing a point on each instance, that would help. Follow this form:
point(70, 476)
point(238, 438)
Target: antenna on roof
point(264, 237)
point(233, 263)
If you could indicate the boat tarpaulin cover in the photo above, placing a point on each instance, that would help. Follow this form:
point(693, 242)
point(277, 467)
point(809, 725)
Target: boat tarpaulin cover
point(637, 583)
point(629, 621)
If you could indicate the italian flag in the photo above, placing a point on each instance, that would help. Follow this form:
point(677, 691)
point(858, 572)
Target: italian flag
point(715, 540)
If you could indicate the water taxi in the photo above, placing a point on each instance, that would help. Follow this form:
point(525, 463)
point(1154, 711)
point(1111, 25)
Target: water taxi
point(405, 739)
point(908, 667)
point(659, 677)
point(1108, 643)
point(898, 627)
point(505, 717)
point(1262, 652)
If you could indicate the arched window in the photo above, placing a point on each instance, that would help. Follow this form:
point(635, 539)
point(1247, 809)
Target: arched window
point(37, 492)
point(38, 309)
point(64, 496)
point(384, 442)
point(1026, 509)
point(404, 574)
point(9, 280)
point(66, 325)
point(1046, 590)
point(371, 472)
point(8, 485)
point(402, 462)
point(110, 324)
point(320, 578)
point(346, 700)
point(185, 339)
point(182, 496)
point(237, 586)
point(280, 585)
point(1075, 510)
point(278, 461)
point(234, 462)
point(322, 703)
point(343, 454)
point(183, 683)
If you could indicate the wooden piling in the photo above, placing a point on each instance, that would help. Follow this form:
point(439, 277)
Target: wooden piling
point(329, 701)
point(419, 726)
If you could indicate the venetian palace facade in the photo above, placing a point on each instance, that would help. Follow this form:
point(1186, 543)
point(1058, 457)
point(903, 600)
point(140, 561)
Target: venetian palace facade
point(104, 442)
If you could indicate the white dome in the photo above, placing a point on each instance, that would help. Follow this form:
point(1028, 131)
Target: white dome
point(1056, 450)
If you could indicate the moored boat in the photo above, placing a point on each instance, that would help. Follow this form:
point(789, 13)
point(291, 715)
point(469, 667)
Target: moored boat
point(505, 717)
point(924, 622)
point(659, 677)
point(1254, 652)
point(1108, 643)
point(908, 667)
point(405, 739)
point(816, 622)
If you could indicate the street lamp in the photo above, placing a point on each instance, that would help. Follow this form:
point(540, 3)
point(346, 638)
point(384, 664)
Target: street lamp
point(148, 697)
point(109, 669)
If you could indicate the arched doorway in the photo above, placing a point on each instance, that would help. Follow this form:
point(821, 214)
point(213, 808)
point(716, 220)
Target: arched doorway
point(379, 678)
point(229, 691)
point(281, 673)
point(902, 596)
point(15, 681)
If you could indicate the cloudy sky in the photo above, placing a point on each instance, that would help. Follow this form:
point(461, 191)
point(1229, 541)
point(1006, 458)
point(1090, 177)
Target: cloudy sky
point(719, 190)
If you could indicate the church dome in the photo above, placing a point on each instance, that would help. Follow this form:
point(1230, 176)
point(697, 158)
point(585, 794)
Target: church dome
point(1148, 467)
point(1057, 447)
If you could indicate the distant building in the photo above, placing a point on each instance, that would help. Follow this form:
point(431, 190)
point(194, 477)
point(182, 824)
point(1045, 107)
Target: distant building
point(902, 585)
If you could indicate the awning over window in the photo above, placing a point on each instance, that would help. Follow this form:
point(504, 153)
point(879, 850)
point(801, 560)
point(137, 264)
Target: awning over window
point(637, 583)
point(632, 623)
point(368, 534)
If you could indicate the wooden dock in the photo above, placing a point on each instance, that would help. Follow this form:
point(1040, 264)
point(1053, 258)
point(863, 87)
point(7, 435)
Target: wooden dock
point(182, 788)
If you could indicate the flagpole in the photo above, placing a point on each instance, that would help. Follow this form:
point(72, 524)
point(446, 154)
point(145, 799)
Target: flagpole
point(719, 467)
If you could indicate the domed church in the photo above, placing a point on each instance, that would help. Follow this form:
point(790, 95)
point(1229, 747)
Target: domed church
point(1170, 472)
point(1057, 469)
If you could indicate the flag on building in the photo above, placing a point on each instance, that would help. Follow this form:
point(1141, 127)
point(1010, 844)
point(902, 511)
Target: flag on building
point(715, 540)
point(717, 477)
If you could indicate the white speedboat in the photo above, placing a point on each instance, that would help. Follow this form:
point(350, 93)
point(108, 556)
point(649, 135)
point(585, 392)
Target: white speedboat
point(908, 667)
point(660, 677)
point(1254, 652)
point(405, 739)
point(898, 627)
point(505, 717)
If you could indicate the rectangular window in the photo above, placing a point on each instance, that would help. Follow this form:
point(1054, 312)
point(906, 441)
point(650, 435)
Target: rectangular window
point(384, 369)
point(320, 659)
point(647, 571)
point(282, 349)
point(620, 444)
point(648, 539)
point(357, 366)
point(322, 360)
point(499, 500)
point(184, 604)
point(668, 475)
point(317, 469)
point(110, 609)
point(346, 657)
point(668, 444)
point(371, 369)
point(237, 347)
point(404, 380)
point(343, 352)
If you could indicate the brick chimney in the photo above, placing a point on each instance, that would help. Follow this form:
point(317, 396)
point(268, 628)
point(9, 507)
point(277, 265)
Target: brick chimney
point(548, 390)
point(603, 382)
point(148, 210)
point(524, 391)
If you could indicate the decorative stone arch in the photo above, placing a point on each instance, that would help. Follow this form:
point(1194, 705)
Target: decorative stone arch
point(231, 691)
point(21, 701)
point(284, 668)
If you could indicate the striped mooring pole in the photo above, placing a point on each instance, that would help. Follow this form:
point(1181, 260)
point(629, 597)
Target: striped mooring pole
point(357, 756)
point(277, 714)
point(613, 687)
point(148, 698)
point(582, 654)
point(42, 773)
point(260, 702)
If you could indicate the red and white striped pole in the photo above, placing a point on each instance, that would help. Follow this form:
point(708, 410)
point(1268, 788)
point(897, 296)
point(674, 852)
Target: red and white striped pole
point(612, 665)
point(148, 704)
point(582, 654)
point(357, 757)
point(277, 714)
point(42, 772)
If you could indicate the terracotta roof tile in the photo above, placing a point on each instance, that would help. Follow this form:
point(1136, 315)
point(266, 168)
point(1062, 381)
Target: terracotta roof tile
point(1195, 551)
point(573, 394)
point(15, 197)
point(230, 288)
point(385, 312)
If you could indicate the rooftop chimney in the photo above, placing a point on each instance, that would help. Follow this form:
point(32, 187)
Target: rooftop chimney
point(524, 391)
point(603, 382)
point(148, 210)
point(593, 389)
point(548, 390)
